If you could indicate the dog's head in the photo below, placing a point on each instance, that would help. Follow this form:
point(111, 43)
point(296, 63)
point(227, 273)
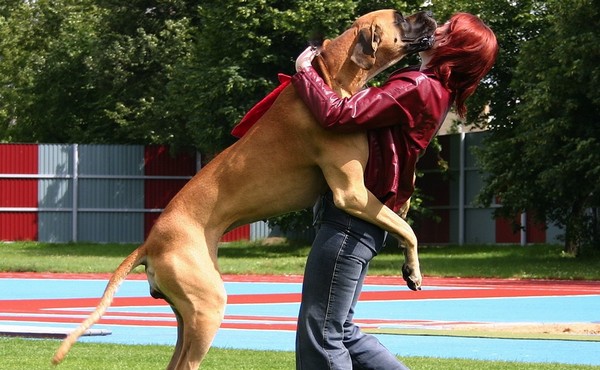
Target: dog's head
point(385, 36)
point(373, 43)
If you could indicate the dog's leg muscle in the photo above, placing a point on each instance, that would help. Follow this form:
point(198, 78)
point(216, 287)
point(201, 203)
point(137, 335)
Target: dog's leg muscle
point(188, 277)
point(177, 352)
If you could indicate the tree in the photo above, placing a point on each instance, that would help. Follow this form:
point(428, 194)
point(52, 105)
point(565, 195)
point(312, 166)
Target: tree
point(25, 32)
point(545, 156)
point(240, 47)
point(90, 71)
point(513, 22)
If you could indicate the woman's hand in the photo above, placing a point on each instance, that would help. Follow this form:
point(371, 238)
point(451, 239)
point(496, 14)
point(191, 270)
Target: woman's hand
point(304, 60)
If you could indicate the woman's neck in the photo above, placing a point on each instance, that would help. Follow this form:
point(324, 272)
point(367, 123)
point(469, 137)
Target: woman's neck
point(425, 59)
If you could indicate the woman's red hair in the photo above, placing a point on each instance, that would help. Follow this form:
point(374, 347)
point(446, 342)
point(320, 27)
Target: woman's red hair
point(468, 54)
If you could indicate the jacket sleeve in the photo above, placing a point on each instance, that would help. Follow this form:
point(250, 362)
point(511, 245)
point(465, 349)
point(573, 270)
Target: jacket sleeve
point(397, 102)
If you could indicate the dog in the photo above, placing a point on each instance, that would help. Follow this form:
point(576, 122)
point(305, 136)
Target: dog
point(283, 163)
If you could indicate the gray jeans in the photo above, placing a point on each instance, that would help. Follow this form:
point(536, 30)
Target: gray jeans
point(327, 338)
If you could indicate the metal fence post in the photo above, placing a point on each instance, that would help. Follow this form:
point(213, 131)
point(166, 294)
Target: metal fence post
point(523, 229)
point(74, 211)
point(461, 188)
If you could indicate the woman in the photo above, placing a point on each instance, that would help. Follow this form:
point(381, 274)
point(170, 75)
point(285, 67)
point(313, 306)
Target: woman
point(402, 116)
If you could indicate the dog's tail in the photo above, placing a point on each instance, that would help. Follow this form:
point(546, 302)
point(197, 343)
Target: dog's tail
point(132, 261)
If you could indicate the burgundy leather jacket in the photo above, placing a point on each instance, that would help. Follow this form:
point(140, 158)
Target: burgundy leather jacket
point(402, 116)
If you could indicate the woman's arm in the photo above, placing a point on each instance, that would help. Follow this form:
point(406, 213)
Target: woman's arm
point(397, 102)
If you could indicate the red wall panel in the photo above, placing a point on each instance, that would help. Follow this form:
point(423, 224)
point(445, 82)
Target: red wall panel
point(158, 161)
point(536, 233)
point(507, 233)
point(19, 158)
point(17, 193)
point(18, 226)
point(159, 192)
point(429, 230)
point(240, 233)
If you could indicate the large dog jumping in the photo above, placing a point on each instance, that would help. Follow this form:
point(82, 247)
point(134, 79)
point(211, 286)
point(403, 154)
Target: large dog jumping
point(283, 163)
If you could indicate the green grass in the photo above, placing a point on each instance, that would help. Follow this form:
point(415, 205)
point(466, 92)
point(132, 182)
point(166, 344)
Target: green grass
point(504, 261)
point(76, 258)
point(498, 261)
point(18, 354)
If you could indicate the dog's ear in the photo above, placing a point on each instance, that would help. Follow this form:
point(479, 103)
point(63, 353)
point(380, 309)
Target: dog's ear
point(367, 42)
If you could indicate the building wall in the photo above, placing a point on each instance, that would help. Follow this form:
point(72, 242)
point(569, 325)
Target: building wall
point(95, 193)
point(451, 197)
point(114, 193)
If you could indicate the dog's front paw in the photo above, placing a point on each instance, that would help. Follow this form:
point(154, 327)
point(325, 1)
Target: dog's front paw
point(412, 277)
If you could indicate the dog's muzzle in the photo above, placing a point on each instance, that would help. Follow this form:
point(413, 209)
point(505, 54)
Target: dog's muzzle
point(425, 43)
point(419, 44)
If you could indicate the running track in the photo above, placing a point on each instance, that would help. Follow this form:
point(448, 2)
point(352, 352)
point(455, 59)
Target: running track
point(261, 313)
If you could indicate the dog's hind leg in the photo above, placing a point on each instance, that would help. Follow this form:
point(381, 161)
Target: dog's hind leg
point(179, 344)
point(189, 279)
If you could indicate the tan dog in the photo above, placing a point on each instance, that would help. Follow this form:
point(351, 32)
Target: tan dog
point(283, 163)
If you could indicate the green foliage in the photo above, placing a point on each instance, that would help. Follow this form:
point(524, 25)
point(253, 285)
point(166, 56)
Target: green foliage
point(87, 71)
point(545, 155)
point(513, 22)
point(170, 72)
point(240, 47)
point(299, 221)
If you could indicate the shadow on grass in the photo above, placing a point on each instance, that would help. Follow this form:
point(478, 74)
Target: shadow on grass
point(243, 249)
point(71, 249)
point(258, 250)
